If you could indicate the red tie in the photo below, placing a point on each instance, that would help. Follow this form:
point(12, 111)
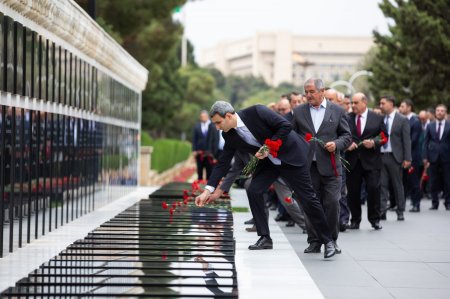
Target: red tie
point(358, 126)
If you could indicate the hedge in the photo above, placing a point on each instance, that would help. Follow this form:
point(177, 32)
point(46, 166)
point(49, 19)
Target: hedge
point(166, 152)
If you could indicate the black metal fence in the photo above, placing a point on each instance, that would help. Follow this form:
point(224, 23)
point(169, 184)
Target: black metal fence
point(68, 135)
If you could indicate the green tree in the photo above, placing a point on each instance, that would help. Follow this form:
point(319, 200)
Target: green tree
point(413, 60)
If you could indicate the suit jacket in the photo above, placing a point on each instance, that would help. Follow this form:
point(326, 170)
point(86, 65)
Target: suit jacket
point(240, 160)
point(435, 150)
point(264, 124)
point(416, 132)
point(400, 138)
point(334, 127)
point(207, 143)
point(370, 157)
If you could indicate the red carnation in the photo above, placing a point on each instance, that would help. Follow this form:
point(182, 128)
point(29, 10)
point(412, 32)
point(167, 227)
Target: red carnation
point(288, 200)
point(308, 137)
point(164, 205)
point(171, 211)
point(185, 196)
point(185, 201)
point(410, 170)
point(383, 138)
point(174, 205)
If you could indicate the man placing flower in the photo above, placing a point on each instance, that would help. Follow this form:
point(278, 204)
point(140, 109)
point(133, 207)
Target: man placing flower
point(247, 131)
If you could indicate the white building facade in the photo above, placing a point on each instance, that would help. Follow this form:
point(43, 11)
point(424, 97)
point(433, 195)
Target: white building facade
point(283, 57)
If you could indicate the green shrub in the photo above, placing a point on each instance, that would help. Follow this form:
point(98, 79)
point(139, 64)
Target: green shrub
point(168, 152)
point(146, 139)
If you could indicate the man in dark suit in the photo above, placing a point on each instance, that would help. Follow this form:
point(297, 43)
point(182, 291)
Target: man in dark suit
point(204, 144)
point(411, 177)
point(396, 155)
point(327, 122)
point(365, 161)
point(437, 156)
point(247, 131)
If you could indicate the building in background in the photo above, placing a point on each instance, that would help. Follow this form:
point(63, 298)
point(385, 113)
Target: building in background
point(284, 57)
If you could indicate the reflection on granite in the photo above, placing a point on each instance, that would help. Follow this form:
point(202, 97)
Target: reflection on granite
point(144, 252)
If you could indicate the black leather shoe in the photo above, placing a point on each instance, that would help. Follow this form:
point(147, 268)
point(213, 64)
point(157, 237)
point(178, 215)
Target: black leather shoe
point(338, 250)
point(376, 225)
point(400, 217)
point(383, 216)
point(313, 248)
point(330, 250)
point(251, 221)
point(434, 207)
point(414, 210)
point(354, 225)
point(251, 229)
point(343, 227)
point(290, 223)
point(262, 243)
point(281, 217)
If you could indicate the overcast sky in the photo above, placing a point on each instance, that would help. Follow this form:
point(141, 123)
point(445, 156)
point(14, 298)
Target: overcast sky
point(211, 21)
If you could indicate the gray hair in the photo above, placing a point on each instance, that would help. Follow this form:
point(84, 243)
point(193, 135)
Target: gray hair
point(221, 108)
point(318, 83)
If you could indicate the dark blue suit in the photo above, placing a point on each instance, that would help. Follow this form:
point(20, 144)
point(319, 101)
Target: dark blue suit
point(411, 181)
point(264, 124)
point(437, 152)
point(207, 143)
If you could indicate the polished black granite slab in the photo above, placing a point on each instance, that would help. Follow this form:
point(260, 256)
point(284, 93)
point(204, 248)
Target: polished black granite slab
point(145, 252)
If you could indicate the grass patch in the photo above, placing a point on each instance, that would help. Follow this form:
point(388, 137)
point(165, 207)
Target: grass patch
point(239, 209)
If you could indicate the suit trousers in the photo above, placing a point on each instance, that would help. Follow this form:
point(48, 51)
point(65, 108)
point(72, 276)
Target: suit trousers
point(298, 178)
point(203, 163)
point(440, 180)
point(392, 173)
point(292, 208)
point(328, 190)
point(354, 181)
point(413, 183)
point(344, 214)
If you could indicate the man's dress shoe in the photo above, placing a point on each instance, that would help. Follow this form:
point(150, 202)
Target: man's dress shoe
point(354, 225)
point(400, 217)
point(343, 227)
point(330, 250)
point(251, 221)
point(414, 210)
point(313, 248)
point(263, 243)
point(290, 223)
point(251, 229)
point(376, 225)
point(338, 249)
point(281, 217)
point(383, 216)
point(434, 207)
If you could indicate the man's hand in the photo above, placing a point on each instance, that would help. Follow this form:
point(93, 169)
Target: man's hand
point(369, 143)
point(260, 155)
point(330, 146)
point(426, 164)
point(195, 153)
point(406, 164)
point(352, 147)
point(215, 195)
point(201, 200)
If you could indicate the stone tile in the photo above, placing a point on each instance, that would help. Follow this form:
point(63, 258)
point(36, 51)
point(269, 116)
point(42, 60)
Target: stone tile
point(355, 292)
point(417, 293)
point(405, 275)
point(443, 268)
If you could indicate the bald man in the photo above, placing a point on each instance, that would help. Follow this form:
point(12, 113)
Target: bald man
point(332, 95)
point(364, 157)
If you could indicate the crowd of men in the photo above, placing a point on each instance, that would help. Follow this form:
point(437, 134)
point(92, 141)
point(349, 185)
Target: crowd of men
point(349, 154)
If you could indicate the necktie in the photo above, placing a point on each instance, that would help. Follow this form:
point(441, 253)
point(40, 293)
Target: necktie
point(358, 126)
point(387, 129)
point(439, 131)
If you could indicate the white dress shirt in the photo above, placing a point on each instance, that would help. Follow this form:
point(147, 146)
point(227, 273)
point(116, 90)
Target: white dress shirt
point(204, 126)
point(442, 122)
point(363, 120)
point(388, 120)
point(317, 115)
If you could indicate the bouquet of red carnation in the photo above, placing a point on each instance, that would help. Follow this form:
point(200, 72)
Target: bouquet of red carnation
point(382, 138)
point(271, 147)
point(309, 137)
